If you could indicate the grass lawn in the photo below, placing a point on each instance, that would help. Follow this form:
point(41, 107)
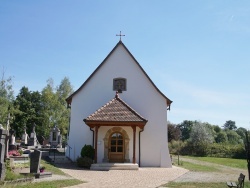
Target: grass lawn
point(51, 168)
point(199, 185)
point(48, 184)
point(196, 167)
point(235, 163)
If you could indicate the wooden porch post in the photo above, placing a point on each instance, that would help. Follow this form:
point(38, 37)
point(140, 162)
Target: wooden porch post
point(96, 139)
point(134, 142)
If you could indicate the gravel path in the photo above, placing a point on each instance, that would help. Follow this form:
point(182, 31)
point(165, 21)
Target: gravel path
point(142, 178)
point(224, 173)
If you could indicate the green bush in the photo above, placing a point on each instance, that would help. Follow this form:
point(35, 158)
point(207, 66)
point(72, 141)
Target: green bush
point(84, 162)
point(221, 150)
point(88, 151)
point(227, 150)
point(20, 151)
point(195, 150)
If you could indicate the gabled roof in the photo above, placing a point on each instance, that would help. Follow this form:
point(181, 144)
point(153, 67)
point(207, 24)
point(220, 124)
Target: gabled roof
point(69, 99)
point(116, 110)
point(115, 113)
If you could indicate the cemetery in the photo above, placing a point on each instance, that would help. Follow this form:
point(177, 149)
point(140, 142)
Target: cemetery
point(23, 157)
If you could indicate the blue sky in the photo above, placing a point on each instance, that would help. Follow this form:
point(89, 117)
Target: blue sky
point(196, 52)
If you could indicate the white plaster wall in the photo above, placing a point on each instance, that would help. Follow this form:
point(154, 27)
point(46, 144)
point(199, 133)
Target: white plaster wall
point(140, 95)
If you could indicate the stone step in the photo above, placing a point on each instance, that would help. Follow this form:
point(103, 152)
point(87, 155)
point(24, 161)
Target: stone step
point(19, 159)
point(43, 175)
point(114, 166)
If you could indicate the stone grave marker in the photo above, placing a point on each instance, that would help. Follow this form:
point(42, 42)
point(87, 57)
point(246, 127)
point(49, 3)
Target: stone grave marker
point(55, 138)
point(12, 140)
point(3, 134)
point(33, 139)
point(25, 137)
point(35, 159)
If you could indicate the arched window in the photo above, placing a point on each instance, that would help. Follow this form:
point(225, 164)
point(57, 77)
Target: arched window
point(116, 142)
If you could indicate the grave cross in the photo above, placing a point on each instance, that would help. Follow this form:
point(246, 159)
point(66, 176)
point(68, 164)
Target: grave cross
point(8, 122)
point(120, 35)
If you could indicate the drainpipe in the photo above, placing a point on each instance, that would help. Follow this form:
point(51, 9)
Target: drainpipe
point(140, 146)
point(92, 137)
point(69, 107)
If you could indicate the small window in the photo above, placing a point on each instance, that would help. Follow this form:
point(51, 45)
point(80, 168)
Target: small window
point(119, 84)
point(54, 136)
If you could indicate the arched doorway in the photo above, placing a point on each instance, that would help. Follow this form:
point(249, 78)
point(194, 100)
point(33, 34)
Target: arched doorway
point(116, 147)
point(107, 143)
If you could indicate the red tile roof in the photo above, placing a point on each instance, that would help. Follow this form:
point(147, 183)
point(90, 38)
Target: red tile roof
point(116, 110)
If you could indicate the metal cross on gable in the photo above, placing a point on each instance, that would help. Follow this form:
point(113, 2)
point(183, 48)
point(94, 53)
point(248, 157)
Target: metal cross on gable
point(120, 35)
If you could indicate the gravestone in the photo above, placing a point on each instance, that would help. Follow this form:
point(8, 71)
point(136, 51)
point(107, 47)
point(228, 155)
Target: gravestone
point(35, 159)
point(12, 140)
point(55, 138)
point(3, 134)
point(24, 137)
point(33, 139)
point(7, 137)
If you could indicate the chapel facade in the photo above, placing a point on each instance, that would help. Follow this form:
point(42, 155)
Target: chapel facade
point(121, 113)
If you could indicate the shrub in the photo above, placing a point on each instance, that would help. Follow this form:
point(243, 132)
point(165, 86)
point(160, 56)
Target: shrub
point(20, 151)
point(84, 162)
point(227, 150)
point(88, 151)
point(176, 146)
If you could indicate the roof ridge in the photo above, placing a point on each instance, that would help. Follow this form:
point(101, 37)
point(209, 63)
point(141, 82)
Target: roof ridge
point(130, 108)
point(123, 103)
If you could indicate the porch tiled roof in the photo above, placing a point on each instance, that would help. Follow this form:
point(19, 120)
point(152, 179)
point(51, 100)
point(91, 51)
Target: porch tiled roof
point(116, 110)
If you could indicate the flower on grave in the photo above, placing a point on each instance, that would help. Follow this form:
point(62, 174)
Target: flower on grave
point(14, 153)
point(42, 168)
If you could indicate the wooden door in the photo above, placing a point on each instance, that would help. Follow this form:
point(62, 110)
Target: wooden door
point(116, 148)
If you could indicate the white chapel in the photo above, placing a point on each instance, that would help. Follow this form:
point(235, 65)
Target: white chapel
point(121, 113)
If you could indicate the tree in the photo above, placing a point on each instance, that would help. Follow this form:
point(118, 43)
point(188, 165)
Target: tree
point(230, 125)
point(50, 106)
point(6, 99)
point(45, 109)
point(55, 110)
point(233, 137)
point(200, 134)
point(174, 132)
point(221, 137)
point(200, 138)
point(28, 111)
point(242, 133)
point(185, 128)
point(64, 90)
point(217, 129)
